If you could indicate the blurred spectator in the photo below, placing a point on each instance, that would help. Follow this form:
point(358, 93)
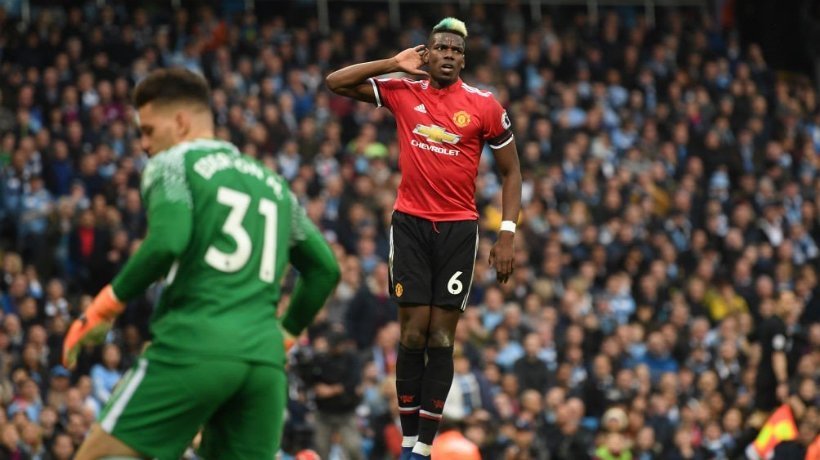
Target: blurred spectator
point(531, 371)
point(469, 393)
point(26, 400)
point(58, 387)
point(371, 308)
point(336, 382)
point(32, 441)
point(10, 444)
point(613, 447)
point(450, 443)
point(62, 448)
point(106, 374)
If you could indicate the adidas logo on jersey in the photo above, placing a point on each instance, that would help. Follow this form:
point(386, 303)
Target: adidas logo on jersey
point(421, 108)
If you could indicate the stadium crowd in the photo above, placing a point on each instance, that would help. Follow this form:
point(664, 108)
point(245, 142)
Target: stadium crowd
point(670, 208)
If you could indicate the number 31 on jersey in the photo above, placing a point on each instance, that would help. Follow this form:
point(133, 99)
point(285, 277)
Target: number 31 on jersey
point(239, 203)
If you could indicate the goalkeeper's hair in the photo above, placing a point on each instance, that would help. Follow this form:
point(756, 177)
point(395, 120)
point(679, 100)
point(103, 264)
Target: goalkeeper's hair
point(172, 86)
point(451, 25)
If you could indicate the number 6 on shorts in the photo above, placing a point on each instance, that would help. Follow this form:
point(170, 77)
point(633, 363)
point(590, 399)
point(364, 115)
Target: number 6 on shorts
point(454, 285)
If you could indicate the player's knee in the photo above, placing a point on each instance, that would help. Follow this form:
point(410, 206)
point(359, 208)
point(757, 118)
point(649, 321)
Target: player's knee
point(413, 338)
point(440, 338)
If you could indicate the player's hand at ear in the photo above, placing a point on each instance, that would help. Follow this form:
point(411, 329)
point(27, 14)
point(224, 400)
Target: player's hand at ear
point(501, 256)
point(412, 59)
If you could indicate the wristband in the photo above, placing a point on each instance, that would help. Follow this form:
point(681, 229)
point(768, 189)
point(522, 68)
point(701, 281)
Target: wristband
point(507, 226)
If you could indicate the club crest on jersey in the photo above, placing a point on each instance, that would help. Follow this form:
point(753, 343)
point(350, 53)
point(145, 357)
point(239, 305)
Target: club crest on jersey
point(399, 290)
point(437, 134)
point(461, 118)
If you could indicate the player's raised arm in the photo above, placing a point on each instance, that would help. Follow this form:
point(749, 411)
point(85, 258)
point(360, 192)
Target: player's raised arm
point(501, 256)
point(352, 81)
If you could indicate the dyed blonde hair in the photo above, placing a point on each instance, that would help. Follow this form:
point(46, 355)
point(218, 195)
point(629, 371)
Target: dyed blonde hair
point(451, 25)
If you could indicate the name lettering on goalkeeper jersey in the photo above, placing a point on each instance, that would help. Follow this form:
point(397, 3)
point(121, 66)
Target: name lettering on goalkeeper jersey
point(211, 164)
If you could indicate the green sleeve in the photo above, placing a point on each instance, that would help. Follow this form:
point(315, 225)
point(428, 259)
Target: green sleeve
point(318, 272)
point(169, 204)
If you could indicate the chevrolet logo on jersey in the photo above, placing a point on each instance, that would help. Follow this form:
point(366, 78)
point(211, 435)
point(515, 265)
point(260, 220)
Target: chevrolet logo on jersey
point(437, 134)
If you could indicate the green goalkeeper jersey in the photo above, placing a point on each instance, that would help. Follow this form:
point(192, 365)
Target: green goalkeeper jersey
point(222, 230)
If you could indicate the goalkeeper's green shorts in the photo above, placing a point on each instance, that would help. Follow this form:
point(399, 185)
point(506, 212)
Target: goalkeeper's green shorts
point(158, 408)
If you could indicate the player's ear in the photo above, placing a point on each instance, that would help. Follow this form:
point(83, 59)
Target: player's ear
point(182, 122)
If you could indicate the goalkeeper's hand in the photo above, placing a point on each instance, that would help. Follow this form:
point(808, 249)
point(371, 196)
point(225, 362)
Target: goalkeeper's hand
point(92, 326)
point(289, 339)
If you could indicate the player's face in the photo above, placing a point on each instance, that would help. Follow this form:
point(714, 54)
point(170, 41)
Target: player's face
point(445, 57)
point(159, 128)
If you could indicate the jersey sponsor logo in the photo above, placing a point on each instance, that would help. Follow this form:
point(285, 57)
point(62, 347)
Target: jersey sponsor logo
point(461, 118)
point(399, 290)
point(505, 120)
point(434, 148)
point(420, 108)
point(436, 134)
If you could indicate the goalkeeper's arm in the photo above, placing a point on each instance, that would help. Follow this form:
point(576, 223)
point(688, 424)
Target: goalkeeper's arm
point(319, 273)
point(169, 229)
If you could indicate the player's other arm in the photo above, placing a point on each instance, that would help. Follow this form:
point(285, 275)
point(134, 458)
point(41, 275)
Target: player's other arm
point(506, 158)
point(353, 81)
point(169, 230)
point(499, 135)
point(319, 273)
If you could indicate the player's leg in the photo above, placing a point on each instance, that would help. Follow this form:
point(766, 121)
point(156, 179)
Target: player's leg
point(414, 321)
point(249, 424)
point(456, 244)
point(158, 408)
point(99, 444)
point(438, 374)
point(411, 287)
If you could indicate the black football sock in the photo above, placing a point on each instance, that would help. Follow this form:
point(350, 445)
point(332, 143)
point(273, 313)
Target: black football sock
point(438, 376)
point(409, 372)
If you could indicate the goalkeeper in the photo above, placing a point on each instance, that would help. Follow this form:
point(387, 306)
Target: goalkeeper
point(221, 230)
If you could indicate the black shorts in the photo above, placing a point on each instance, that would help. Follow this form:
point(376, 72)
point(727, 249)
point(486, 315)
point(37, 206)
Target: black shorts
point(432, 263)
point(766, 394)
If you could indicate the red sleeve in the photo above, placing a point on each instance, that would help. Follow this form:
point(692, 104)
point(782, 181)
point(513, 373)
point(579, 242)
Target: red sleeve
point(388, 91)
point(497, 128)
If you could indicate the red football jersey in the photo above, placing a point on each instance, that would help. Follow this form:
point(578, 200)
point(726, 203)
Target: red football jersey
point(441, 135)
